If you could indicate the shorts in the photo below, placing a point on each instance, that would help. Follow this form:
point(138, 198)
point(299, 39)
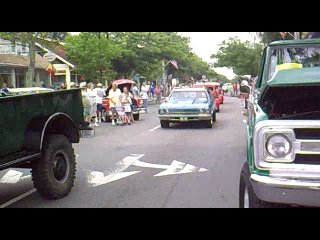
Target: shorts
point(93, 109)
point(99, 107)
point(114, 111)
point(128, 114)
point(86, 112)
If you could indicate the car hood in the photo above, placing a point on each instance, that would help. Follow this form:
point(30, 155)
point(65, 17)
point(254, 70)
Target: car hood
point(291, 78)
point(183, 105)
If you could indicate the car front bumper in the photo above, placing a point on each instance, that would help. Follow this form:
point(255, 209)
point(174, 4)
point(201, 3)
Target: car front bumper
point(287, 191)
point(185, 118)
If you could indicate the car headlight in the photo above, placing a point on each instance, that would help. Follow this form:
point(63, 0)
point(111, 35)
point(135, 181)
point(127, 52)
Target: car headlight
point(278, 146)
point(163, 111)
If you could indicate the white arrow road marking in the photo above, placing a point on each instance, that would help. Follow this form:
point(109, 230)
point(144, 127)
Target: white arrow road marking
point(177, 167)
point(11, 176)
point(149, 165)
point(99, 178)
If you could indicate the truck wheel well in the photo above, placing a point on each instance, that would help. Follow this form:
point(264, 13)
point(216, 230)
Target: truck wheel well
point(62, 124)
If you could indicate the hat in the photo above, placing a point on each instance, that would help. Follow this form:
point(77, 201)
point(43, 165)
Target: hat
point(83, 84)
point(99, 85)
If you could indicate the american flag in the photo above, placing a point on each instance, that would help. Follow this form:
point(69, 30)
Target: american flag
point(174, 63)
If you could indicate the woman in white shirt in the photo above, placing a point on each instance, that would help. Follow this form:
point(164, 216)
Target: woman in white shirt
point(144, 94)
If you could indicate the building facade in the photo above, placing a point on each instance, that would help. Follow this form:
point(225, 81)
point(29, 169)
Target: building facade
point(14, 62)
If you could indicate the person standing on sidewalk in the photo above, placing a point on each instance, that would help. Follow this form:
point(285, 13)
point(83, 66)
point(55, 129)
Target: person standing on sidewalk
point(115, 101)
point(144, 95)
point(157, 92)
point(86, 102)
point(92, 93)
point(100, 95)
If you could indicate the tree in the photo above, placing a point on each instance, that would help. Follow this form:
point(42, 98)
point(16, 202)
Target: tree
point(267, 37)
point(30, 39)
point(92, 54)
point(242, 57)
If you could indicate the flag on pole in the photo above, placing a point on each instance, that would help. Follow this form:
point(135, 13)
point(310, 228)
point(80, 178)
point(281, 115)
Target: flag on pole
point(174, 63)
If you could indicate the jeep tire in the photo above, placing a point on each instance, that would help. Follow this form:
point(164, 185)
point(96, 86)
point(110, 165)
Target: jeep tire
point(54, 173)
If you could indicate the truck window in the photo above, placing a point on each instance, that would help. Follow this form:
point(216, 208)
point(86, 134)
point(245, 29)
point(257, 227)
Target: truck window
point(293, 57)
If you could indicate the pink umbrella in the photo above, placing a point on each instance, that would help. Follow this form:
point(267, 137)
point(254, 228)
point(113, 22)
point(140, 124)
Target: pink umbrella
point(123, 81)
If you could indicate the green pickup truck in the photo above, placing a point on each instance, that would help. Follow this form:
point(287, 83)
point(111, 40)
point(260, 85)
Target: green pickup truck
point(283, 130)
point(37, 131)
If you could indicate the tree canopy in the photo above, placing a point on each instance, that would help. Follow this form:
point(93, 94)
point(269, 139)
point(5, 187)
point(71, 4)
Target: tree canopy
point(242, 57)
point(124, 54)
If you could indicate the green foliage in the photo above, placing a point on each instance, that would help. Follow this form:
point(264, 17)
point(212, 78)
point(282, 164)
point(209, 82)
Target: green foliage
point(242, 57)
point(125, 54)
point(92, 54)
point(267, 37)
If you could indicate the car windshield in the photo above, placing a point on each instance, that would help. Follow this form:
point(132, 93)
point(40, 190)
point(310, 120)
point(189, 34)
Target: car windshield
point(188, 96)
point(294, 57)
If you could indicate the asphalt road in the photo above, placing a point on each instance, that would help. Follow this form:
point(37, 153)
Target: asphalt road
point(143, 165)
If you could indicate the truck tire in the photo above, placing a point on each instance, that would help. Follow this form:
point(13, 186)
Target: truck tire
point(54, 173)
point(214, 117)
point(164, 124)
point(247, 197)
point(136, 117)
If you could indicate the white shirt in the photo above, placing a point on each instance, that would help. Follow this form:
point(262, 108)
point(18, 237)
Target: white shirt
point(99, 95)
point(93, 95)
point(115, 97)
point(144, 92)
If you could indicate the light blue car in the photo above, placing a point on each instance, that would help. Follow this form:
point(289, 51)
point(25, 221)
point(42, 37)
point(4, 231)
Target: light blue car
point(187, 105)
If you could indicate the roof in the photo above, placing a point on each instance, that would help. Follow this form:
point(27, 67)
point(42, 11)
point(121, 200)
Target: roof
point(22, 61)
point(295, 42)
point(58, 57)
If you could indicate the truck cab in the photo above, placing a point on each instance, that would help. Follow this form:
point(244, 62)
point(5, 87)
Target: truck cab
point(283, 128)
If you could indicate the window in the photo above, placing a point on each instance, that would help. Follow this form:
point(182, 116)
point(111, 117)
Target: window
point(293, 57)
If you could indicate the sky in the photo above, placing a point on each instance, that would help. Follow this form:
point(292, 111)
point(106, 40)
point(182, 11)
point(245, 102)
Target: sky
point(204, 44)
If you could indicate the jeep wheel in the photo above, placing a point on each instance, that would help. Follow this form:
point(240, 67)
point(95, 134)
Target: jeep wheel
point(54, 173)
point(164, 124)
point(136, 117)
point(247, 197)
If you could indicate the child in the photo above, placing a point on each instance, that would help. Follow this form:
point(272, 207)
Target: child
point(126, 101)
point(123, 116)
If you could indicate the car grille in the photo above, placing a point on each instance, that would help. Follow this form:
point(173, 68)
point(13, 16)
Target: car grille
point(184, 112)
point(310, 144)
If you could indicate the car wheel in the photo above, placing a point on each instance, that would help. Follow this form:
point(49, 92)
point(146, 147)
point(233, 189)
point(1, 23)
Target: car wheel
point(208, 123)
point(164, 124)
point(247, 197)
point(136, 117)
point(54, 173)
point(214, 117)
